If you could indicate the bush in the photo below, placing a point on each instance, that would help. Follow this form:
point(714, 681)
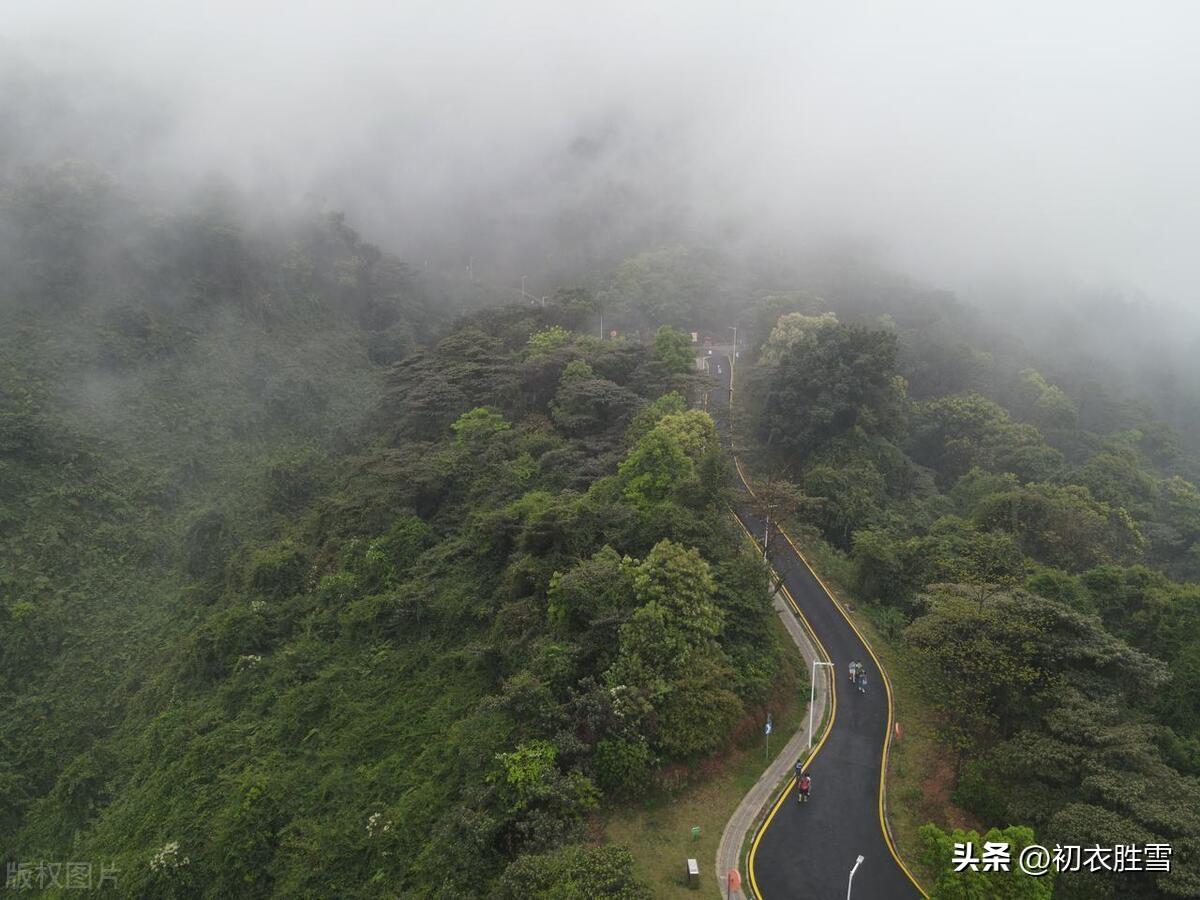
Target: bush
point(977, 794)
point(572, 873)
point(277, 571)
point(622, 767)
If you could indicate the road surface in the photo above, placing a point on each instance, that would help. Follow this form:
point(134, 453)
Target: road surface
point(808, 850)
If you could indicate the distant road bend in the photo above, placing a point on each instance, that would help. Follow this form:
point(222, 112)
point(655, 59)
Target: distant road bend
point(809, 850)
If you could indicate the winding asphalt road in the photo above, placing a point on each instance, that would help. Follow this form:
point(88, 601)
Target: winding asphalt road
point(808, 850)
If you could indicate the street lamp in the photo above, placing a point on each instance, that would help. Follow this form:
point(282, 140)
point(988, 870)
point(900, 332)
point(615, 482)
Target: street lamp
point(732, 367)
point(857, 863)
point(766, 529)
point(812, 697)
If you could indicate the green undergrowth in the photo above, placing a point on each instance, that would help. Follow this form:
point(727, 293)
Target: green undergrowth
point(658, 830)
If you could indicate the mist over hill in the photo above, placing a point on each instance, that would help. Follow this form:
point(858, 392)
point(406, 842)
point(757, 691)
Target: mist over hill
point(363, 503)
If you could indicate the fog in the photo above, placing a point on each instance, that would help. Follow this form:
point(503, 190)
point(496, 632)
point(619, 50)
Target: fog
point(1042, 143)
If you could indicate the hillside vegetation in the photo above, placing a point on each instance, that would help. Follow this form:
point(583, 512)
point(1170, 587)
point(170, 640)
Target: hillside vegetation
point(318, 580)
point(1034, 551)
point(302, 599)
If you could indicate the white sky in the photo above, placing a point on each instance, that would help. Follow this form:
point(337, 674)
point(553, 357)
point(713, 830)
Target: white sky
point(1052, 136)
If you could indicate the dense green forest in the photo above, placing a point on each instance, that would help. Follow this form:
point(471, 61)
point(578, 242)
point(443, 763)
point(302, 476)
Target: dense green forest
point(1025, 522)
point(318, 579)
point(1037, 548)
point(309, 590)
point(393, 395)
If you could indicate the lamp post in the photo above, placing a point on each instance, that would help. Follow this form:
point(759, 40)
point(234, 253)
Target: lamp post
point(812, 697)
point(857, 863)
point(767, 528)
point(732, 367)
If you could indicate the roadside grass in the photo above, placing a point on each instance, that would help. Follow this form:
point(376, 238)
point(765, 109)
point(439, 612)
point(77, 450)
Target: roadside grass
point(658, 830)
point(920, 772)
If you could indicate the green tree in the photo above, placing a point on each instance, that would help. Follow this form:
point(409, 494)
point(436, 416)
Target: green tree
point(598, 588)
point(584, 405)
point(1091, 773)
point(694, 431)
point(954, 434)
point(1062, 525)
point(842, 378)
point(992, 668)
point(548, 339)
point(976, 884)
point(701, 707)
point(1116, 478)
point(1044, 404)
point(673, 349)
point(544, 805)
point(672, 285)
point(571, 873)
point(650, 414)
point(655, 470)
point(791, 330)
point(678, 580)
point(623, 766)
point(851, 497)
point(278, 571)
point(475, 429)
point(668, 653)
point(993, 561)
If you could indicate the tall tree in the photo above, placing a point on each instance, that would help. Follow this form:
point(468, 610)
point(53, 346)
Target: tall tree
point(842, 378)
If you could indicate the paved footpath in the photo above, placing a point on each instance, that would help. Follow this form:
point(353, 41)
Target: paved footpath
point(750, 809)
point(809, 850)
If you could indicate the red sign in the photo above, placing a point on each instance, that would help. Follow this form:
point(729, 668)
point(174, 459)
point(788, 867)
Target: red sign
point(735, 880)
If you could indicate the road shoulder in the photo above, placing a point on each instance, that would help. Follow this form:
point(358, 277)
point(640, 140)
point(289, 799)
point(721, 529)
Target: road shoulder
point(765, 790)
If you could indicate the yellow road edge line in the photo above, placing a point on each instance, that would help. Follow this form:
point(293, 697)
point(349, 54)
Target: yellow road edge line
point(824, 653)
point(887, 736)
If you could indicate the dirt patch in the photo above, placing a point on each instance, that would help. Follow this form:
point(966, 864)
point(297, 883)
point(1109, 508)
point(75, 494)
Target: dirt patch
point(936, 788)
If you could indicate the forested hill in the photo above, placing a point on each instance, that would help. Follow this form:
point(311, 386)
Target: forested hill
point(292, 606)
point(312, 584)
point(1036, 576)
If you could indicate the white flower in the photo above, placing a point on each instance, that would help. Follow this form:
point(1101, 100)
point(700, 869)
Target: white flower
point(374, 828)
point(167, 859)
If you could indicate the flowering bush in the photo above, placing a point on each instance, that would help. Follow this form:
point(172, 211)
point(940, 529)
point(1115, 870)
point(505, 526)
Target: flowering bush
point(377, 825)
point(167, 859)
